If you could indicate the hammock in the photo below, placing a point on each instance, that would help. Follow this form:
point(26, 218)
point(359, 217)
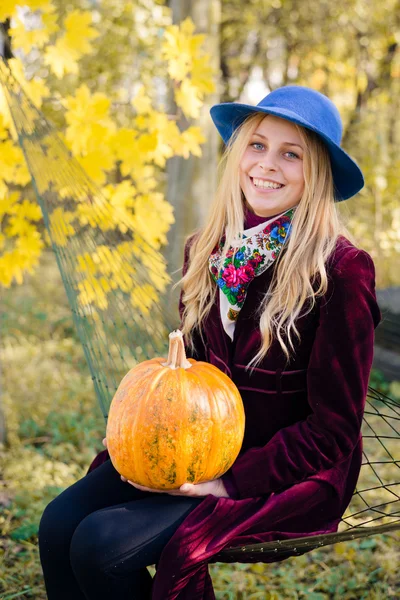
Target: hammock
point(109, 271)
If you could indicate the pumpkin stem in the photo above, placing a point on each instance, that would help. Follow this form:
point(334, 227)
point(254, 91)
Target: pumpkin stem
point(176, 353)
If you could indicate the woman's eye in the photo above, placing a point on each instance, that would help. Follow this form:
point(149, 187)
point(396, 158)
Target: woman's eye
point(293, 154)
point(257, 144)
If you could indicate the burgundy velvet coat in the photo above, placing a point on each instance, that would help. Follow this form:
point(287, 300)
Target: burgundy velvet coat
point(302, 448)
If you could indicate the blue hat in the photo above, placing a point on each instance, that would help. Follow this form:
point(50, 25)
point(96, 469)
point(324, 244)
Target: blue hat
point(310, 109)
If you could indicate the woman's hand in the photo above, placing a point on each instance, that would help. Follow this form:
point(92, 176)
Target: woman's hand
point(215, 487)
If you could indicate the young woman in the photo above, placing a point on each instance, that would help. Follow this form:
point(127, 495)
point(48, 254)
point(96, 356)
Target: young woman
point(291, 321)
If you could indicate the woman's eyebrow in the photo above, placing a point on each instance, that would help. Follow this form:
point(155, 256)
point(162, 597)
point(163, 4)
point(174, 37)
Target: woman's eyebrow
point(283, 143)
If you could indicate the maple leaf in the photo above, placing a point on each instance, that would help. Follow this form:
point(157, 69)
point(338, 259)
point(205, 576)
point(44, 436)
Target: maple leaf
point(190, 142)
point(141, 102)
point(61, 58)
point(202, 73)
point(96, 162)
point(79, 31)
point(42, 5)
point(35, 88)
point(8, 8)
point(27, 39)
point(89, 123)
point(187, 97)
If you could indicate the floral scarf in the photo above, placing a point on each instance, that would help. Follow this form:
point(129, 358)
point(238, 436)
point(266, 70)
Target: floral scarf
point(260, 247)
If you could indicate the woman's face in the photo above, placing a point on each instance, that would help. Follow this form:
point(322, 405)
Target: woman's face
point(271, 168)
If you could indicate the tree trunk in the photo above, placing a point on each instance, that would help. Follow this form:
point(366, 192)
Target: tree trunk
point(191, 183)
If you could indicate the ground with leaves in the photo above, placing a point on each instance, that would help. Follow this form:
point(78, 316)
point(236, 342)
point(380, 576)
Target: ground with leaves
point(55, 429)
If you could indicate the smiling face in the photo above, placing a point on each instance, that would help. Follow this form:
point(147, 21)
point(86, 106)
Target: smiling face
point(271, 169)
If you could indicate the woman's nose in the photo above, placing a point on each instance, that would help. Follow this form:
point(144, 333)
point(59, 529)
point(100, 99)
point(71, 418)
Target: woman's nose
point(268, 162)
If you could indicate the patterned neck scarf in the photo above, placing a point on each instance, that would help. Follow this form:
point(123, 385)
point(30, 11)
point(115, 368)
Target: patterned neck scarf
point(256, 252)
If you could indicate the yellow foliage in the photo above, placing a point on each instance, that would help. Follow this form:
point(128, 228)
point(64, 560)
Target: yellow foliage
point(23, 258)
point(190, 141)
point(180, 47)
point(16, 222)
point(94, 140)
point(96, 162)
point(43, 5)
point(79, 31)
point(202, 74)
point(12, 166)
point(142, 102)
point(189, 65)
point(60, 226)
point(61, 58)
point(27, 39)
point(188, 99)
point(35, 88)
point(7, 8)
point(143, 297)
point(152, 218)
point(88, 119)
point(122, 201)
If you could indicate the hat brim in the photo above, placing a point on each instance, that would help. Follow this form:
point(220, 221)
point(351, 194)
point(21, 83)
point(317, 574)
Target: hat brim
point(347, 176)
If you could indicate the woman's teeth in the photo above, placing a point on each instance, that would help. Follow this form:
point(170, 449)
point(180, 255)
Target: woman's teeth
point(266, 184)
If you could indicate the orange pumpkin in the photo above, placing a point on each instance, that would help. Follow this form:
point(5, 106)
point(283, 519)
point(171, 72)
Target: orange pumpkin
point(174, 421)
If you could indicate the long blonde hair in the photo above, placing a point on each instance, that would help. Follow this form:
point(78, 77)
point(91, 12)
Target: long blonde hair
point(300, 273)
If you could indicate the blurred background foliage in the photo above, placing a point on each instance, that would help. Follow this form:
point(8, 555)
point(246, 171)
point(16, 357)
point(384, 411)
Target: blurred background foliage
point(99, 64)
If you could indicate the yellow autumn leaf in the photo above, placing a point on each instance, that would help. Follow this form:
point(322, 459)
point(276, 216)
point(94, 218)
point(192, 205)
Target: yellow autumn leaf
point(9, 203)
point(6, 116)
point(91, 293)
point(190, 141)
point(187, 97)
point(96, 213)
point(79, 31)
point(60, 226)
point(61, 58)
point(143, 297)
point(202, 73)
point(8, 8)
point(166, 134)
point(43, 5)
point(121, 199)
point(88, 119)
point(96, 162)
point(142, 102)
point(27, 210)
point(152, 218)
point(12, 164)
point(179, 48)
point(27, 39)
point(121, 195)
point(35, 88)
point(30, 247)
point(3, 128)
point(18, 226)
point(153, 262)
point(121, 142)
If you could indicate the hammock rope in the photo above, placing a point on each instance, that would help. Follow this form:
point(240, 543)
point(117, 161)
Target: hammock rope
point(121, 300)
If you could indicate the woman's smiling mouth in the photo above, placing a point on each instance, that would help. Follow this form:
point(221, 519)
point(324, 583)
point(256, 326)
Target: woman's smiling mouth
point(264, 185)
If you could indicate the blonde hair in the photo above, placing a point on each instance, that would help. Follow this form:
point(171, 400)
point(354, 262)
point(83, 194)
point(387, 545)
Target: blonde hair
point(299, 275)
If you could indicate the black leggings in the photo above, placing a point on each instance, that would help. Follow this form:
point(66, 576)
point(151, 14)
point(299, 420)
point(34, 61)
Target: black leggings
point(97, 537)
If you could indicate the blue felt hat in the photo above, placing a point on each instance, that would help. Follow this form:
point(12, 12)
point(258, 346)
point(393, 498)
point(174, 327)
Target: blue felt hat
point(310, 109)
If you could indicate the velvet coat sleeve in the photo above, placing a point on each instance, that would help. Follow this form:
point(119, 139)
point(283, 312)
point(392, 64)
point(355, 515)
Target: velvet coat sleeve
point(337, 381)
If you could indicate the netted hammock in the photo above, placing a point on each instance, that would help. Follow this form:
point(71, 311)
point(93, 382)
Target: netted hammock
point(121, 301)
